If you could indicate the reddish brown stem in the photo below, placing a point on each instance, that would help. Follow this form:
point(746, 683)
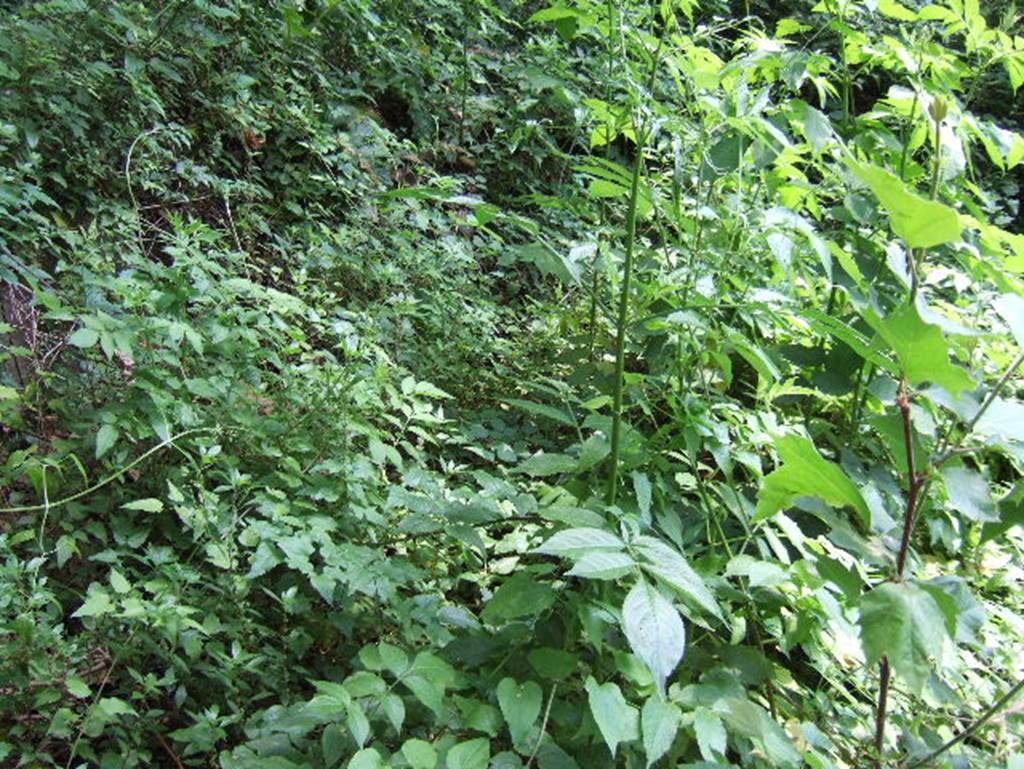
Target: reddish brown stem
point(883, 703)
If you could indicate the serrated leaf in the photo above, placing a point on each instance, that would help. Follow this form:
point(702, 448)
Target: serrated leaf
point(660, 722)
point(661, 561)
point(922, 350)
point(616, 719)
point(577, 542)
point(602, 565)
point(654, 630)
point(805, 473)
point(420, 754)
point(97, 603)
point(471, 754)
point(922, 223)
point(902, 622)
point(520, 705)
point(969, 494)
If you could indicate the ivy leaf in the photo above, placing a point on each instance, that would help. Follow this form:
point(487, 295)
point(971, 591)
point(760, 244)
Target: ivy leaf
point(520, 705)
point(660, 722)
point(904, 623)
point(654, 630)
point(471, 754)
point(922, 349)
point(616, 719)
point(922, 223)
point(805, 473)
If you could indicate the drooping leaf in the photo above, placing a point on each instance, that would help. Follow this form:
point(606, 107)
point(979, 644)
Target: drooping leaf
point(654, 630)
point(617, 720)
point(902, 622)
point(805, 473)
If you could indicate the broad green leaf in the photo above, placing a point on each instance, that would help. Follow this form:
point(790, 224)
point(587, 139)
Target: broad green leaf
point(471, 754)
point(358, 724)
point(119, 583)
point(519, 596)
point(922, 223)
point(602, 565)
point(106, 437)
point(84, 338)
point(752, 721)
point(711, 736)
point(902, 622)
point(617, 720)
point(660, 722)
point(805, 473)
point(969, 494)
point(420, 754)
point(394, 659)
point(661, 561)
point(553, 664)
point(922, 350)
point(394, 708)
point(542, 465)
point(96, 604)
point(654, 630)
point(578, 542)
point(1011, 309)
point(520, 705)
point(557, 415)
point(332, 745)
point(367, 758)
point(77, 687)
point(148, 505)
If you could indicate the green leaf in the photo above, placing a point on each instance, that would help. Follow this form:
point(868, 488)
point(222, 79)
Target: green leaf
point(394, 659)
point(969, 494)
point(106, 437)
point(332, 745)
point(77, 687)
point(553, 664)
point(84, 338)
point(711, 736)
point(358, 724)
point(552, 413)
point(805, 473)
point(902, 622)
point(1011, 309)
point(96, 604)
point(661, 561)
point(519, 596)
point(602, 565)
point(471, 754)
point(922, 350)
point(368, 758)
point(148, 505)
point(542, 465)
point(578, 542)
point(520, 705)
point(616, 719)
point(119, 583)
point(922, 223)
point(752, 721)
point(420, 754)
point(654, 630)
point(660, 722)
point(394, 709)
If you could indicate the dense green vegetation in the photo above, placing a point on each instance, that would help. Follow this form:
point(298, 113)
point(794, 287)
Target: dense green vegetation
point(482, 384)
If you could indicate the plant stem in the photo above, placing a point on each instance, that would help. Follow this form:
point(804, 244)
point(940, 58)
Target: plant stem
point(623, 316)
point(884, 674)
